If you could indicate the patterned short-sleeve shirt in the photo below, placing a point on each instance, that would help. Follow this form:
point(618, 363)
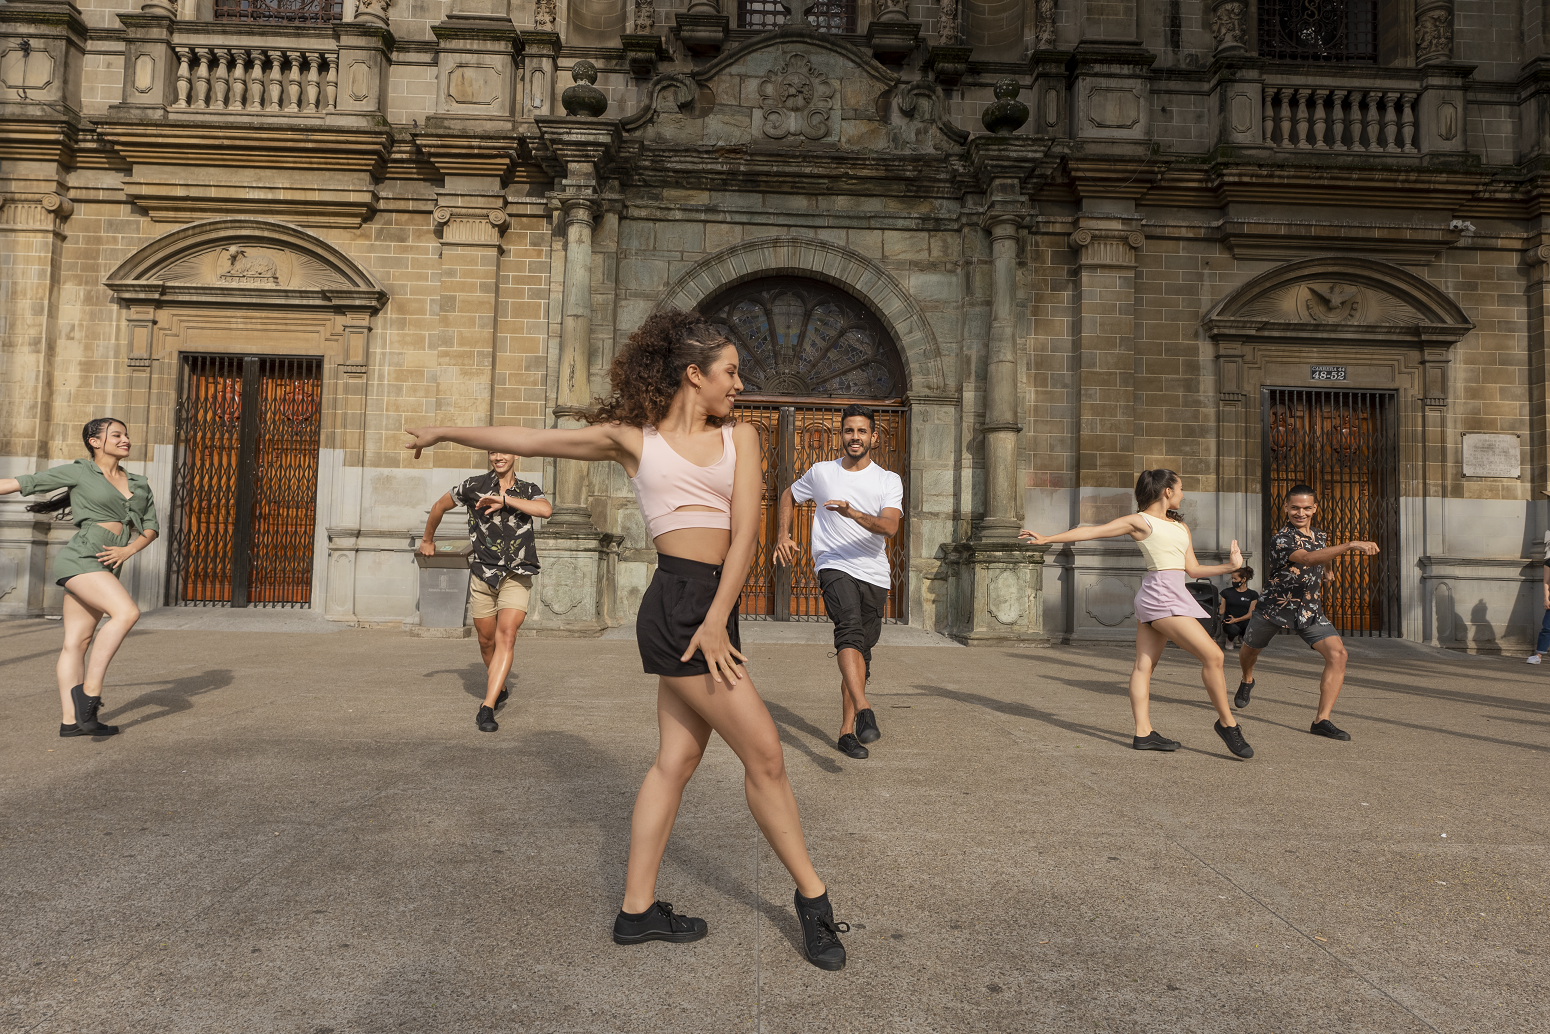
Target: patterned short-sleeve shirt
point(1291, 596)
point(503, 543)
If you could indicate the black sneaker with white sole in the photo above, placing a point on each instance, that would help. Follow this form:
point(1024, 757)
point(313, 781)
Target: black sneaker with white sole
point(485, 719)
point(1232, 735)
point(657, 923)
point(1329, 729)
point(820, 933)
point(1153, 740)
point(1240, 699)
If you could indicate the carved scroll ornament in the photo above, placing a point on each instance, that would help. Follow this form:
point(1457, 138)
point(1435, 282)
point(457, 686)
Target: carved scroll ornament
point(796, 99)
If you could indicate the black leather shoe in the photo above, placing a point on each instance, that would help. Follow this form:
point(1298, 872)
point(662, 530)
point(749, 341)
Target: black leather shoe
point(1240, 699)
point(86, 713)
point(820, 933)
point(1328, 728)
point(1153, 740)
point(660, 923)
point(500, 700)
point(851, 747)
point(73, 729)
point(485, 719)
point(866, 726)
point(1233, 737)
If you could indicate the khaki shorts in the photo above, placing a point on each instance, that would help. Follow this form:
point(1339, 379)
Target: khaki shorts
point(485, 602)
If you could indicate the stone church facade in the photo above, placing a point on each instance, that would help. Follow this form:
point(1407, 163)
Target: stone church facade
point(1054, 241)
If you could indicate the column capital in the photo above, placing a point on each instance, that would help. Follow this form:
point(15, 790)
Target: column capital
point(478, 224)
point(1106, 246)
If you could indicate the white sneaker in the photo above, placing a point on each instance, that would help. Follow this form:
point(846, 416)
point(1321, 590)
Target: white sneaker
point(1533, 658)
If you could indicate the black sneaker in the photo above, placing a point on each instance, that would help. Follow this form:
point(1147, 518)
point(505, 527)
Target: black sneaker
point(851, 747)
point(72, 729)
point(1233, 737)
point(658, 923)
point(1328, 728)
point(500, 700)
point(86, 713)
point(485, 719)
point(1153, 740)
point(1240, 699)
point(820, 933)
point(866, 726)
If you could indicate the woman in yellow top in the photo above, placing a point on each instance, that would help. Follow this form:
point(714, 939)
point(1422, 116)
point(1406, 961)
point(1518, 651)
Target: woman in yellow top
point(116, 518)
point(1164, 608)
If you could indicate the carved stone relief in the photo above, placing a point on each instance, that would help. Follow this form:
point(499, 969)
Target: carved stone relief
point(797, 99)
point(947, 23)
point(544, 15)
point(1110, 602)
point(1331, 301)
point(1044, 25)
point(1229, 26)
point(645, 17)
point(251, 265)
point(1433, 33)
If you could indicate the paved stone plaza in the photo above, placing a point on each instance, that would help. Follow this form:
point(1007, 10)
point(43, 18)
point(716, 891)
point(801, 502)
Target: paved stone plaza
point(304, 833)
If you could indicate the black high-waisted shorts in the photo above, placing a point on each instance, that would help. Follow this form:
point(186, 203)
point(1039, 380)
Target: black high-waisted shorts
point(672, 611)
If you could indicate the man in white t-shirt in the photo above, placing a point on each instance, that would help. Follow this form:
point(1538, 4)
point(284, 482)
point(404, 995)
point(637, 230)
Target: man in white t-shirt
point(861, 505)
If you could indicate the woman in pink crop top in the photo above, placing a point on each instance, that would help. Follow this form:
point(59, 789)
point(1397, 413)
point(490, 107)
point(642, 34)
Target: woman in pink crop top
point(699, 482)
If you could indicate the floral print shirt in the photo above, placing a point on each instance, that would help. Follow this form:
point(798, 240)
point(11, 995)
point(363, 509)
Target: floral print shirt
point(503, 542)
point(1291, 596)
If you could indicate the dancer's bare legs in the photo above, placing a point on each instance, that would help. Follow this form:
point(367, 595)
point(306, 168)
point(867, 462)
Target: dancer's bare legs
point(1151, 638)
point(497, 643)
point(87, 598)
point(852, 688)
point(1333, 679)
point(688, 711)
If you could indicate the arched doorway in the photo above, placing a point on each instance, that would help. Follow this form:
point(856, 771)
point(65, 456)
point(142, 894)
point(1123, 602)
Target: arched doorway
point(807, 351)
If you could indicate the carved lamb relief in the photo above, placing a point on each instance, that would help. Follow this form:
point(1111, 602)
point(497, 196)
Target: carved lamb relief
point(250, 265)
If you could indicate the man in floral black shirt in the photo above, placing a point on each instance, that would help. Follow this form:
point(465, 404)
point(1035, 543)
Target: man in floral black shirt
point(501, 508)
point(1291, 601)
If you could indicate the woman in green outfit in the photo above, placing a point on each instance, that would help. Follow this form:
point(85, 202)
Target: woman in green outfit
point(116, 518)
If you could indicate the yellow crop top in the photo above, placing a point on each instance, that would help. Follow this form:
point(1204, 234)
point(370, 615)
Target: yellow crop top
point(1166, 546)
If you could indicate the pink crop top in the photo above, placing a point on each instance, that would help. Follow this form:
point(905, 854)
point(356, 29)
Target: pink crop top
point(666, 481)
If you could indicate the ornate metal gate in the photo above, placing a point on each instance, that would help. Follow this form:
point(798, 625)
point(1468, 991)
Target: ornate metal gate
point(1345, 445)
point(806, 350)
point(244, 491)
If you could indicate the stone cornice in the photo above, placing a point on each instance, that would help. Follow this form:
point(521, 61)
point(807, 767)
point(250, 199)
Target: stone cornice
point(241, 145)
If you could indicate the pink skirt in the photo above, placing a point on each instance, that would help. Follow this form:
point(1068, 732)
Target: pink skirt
point(1163, 595)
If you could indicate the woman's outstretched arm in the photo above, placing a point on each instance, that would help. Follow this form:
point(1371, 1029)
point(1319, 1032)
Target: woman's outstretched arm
point(1131, 524)
point(1195, 569)
point(598, 442)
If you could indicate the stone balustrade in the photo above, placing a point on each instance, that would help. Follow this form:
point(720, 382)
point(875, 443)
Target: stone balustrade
point(281, 79)
point(1366, 119)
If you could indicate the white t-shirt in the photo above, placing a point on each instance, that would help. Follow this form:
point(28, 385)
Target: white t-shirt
point(839, 543)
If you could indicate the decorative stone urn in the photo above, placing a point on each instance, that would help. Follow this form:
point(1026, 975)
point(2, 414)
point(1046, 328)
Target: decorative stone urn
point(1006, 114)
point(586, 100)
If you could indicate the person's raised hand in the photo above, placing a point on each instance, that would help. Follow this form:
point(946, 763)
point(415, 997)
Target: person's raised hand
point(1367, 548)
point(491, 504)
point(716, 645)
point(1033, 536)
point(1235, 556)
point(420, 438)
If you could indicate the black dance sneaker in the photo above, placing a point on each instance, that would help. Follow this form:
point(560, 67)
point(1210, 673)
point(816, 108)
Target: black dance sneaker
point(1153, 740)
point(657, 923)
point(485, 719)
point(1328, 728)
point(866, 726)
point(820, 933)
point(851, 747)
point(500, 700)
point(1233, 737)
point(86, 713)
point(1240, 699)
point(72, 729)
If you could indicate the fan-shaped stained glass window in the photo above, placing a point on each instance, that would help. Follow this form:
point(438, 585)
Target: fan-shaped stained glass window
point(803, 337)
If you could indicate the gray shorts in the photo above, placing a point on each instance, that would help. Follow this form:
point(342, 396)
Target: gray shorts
point(1261, 631)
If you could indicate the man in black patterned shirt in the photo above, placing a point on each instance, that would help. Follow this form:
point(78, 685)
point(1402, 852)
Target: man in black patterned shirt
point(501, 508)
point(1291, 601)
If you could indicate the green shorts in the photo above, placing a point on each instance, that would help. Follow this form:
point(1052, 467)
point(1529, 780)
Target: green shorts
point(80, 554)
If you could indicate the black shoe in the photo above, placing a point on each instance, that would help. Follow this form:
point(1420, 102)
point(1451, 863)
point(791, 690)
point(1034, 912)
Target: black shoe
point(500, 701)
point(851, 747)
point(866, 726)
point(1241, 698)
point(820, 933)
point(659, 923)
point(1327, 728)
point(1233, 737)
point(1153, 740)
point(73, 729)
point(86, 713)
point(485, 719)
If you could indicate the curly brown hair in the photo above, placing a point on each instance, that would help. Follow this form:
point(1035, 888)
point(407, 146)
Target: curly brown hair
point(646, 375)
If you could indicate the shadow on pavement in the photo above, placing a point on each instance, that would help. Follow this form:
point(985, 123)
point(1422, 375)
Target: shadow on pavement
point(475, 678)
point(786, 721)
point(174, 697)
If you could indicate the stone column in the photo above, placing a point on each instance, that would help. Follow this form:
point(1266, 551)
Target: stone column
point(1538, 260)
point(574, 591)
point(1003, 383)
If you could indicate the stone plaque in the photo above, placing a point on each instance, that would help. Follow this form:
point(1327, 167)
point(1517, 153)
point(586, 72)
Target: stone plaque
point(1492, 456)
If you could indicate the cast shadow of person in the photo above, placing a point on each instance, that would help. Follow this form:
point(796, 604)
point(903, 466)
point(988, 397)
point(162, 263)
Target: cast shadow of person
point(475, 678)
point(786, 721)
point(173, 697)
